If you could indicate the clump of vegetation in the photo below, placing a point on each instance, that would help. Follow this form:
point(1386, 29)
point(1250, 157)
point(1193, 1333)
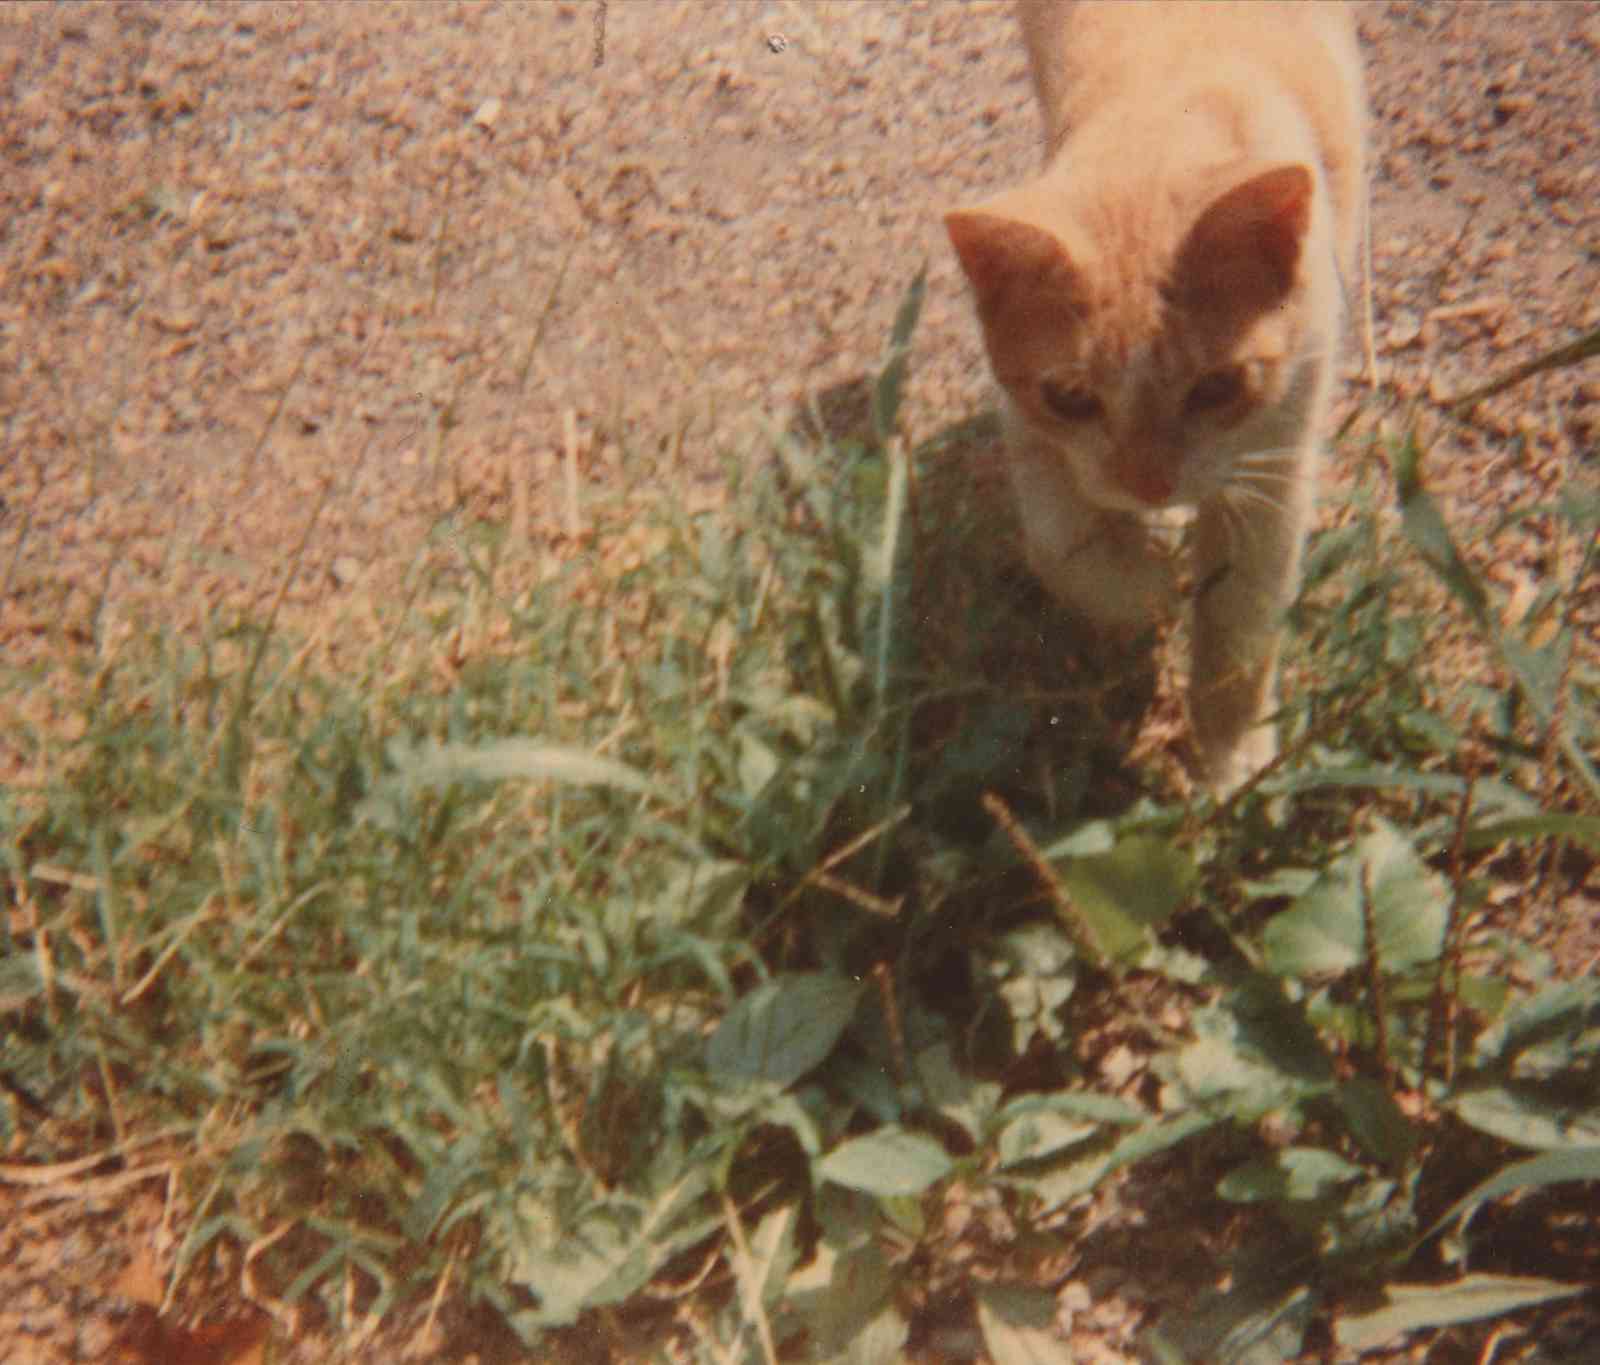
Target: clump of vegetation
point(768, 949)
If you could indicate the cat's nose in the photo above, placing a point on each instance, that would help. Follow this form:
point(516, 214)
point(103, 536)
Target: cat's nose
point(1152, 485)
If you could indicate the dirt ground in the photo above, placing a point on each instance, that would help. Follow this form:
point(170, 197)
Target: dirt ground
point(417, 250)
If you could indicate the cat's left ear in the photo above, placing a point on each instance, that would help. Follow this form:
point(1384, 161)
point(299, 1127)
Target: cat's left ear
point(1246, 245)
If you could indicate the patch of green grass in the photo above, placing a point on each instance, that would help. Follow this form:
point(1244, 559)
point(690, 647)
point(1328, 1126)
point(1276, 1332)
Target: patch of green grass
point(773, 890)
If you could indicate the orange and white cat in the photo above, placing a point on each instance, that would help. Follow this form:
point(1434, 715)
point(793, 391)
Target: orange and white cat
point(1161, 308)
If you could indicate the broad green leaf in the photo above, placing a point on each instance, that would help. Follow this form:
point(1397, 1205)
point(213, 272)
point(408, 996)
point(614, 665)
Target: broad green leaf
point(1546, 1034)
point(19, 981)
point(1130, 891)
point(1076, 1104)
point(707, 894)
point(612, 1255)
point(956, 1094)
point(783, 1028)
point(1059, 1186)
point(840, 1294)
point(1064, 1183)
point(1215, 1072)
point(1259, 1018)
point(1298, 1173)
point(1035, 966)
point(1324, 931)
point(1157, 1137)
point(1042, 1134)
point(1018, 1325)
point(1413, 1308)
point(1254, 1323)
point(878, 1343)
point(1552, 1168)
point(1088, 840)
point(1527, 1116)
point(758, 764)
point(1376, 1121)
point(886, 1162)
point(906, 1213)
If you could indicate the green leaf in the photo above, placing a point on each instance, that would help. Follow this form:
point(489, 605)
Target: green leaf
point(1127, 893)
point(1157, 1137)
point(1297, 1173)
point(1528, 1117)
point(611, 1255)
point(842, 1296)
point(1545, 1034)
point(1324, 930)
point(705, 893)
point(1216, 1072)
point(889, 1161)
point(1376, 1121)
point(1256, 1322)
point(783, 1028)
point(1581, 829)
point(878, 1343)
point(891, 380)
point(1415, 1307)
point(1035, 967)
point(1552, 1168)
point(1018, 1325)
point(758, 765)
point(1425, 528)
point(1042, 1134)
point(956, 1094)
point(1089, 839)
point(1078, 1104)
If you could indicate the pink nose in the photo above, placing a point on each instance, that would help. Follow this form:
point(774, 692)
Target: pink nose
point(1150, 485)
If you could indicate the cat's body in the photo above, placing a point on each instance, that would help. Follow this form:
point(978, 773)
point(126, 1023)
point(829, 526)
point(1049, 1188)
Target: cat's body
point(1161, 309)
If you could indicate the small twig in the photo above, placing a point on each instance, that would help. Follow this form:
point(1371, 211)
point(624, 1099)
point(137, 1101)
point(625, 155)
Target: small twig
point(569, 422)
point(821, 875)
point(746, 1268)
point(1445, 1002)
point(1573, 353)
point(1369, 931)
point(1369, 344)
point(224, 509)
point(865, 900)
point(1077, 925)
point(883, 979)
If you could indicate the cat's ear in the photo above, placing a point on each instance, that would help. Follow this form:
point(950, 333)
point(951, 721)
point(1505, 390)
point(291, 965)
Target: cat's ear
point(1246, 245)
point(1001, 254)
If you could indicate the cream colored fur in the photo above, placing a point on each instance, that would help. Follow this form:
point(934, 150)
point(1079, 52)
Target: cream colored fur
point(1161, 309)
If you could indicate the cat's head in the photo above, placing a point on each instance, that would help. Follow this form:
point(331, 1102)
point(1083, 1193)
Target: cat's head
point(1151, 338)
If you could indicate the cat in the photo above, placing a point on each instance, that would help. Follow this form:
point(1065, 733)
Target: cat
point(1161, 308)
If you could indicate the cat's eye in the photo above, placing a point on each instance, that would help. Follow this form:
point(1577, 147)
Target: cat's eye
point(1070, 404)
point(1215, 391)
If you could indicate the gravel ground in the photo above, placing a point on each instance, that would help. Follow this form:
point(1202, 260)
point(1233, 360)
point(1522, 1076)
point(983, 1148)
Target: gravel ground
point(250, 250)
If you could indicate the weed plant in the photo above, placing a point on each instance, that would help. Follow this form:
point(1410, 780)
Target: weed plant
point(769, 949)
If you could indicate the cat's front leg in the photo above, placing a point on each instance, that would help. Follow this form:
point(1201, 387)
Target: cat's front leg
point(1248, 571)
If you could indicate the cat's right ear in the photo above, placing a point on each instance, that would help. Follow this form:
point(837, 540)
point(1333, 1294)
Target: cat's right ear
point(1001, 254)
